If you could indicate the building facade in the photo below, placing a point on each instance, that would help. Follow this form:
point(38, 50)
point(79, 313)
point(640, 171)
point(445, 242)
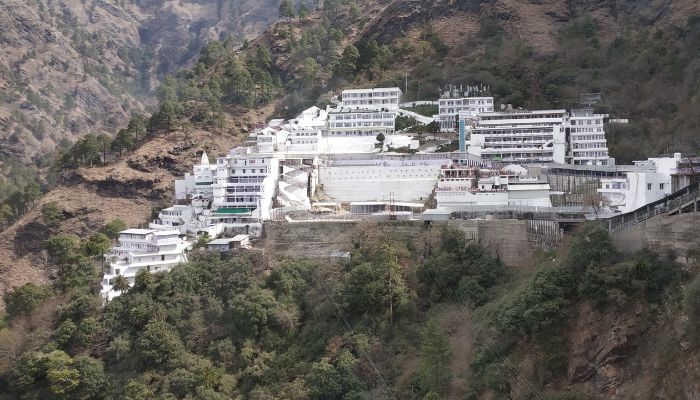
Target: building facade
point(376, 98)
point(539, 136)
point(587, 142)
point(520, 137)
point(142, 249)
point(469, 103)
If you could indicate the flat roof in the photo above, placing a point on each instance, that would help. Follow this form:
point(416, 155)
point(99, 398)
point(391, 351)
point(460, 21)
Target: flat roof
point(221, 241)
point(237, 238)
point(137, 231)
point(166, 233)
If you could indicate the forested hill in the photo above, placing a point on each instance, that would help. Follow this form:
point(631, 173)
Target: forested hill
point(430, 316)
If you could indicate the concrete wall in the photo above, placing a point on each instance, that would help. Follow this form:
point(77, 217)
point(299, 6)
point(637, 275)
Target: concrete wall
point(675, 235)
point(375, 183)
point(507, 239)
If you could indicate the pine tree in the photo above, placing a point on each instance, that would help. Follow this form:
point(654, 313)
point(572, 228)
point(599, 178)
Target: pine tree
point(287, 9)
point(436, 356)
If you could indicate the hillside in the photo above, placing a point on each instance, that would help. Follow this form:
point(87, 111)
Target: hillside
point(70, 67)
point(423, 317)
point(531, 54)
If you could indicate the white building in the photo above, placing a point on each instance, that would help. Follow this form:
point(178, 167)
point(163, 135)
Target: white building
point(647, 182)
point(364, 112)
point(237, 197)
point(199, 183)
point(460, 188)
point(540, 136)
point(520, 137)
point(352, 121)
point(142, 249)
point(245, 186)
point(587, 142)
point(469, 103)
point(376, 98)
point(172, 218)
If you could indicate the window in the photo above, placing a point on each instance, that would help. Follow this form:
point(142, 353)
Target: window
point(661, 186)
point(648, 186)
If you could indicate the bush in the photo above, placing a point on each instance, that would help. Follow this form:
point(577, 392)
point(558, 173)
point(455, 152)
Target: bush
point(51, 213)
point(25, 299)
point(542, 304)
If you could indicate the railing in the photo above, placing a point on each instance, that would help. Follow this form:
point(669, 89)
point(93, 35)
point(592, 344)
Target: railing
point(666, 205)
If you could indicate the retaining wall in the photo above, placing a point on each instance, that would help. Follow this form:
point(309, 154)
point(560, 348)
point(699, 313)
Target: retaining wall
point(676, 236)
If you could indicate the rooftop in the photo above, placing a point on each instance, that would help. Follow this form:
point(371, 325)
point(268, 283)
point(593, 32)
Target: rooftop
point(137, 231)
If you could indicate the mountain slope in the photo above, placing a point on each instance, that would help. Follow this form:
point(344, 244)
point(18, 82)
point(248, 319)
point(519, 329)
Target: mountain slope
point(71, 67)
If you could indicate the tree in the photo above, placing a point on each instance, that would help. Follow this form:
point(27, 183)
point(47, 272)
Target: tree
point(287, 9)
point(376, 287)
point(25, 299)
point(17, 201)
point(87, 150)
point(596, 201)
point(7, 215)
point(263, 57)
point(137, 127)
point(348, 61)
point(97, 245)
point(381, 138)
point(159, 344)
point(136, 390)
point(303, 11)
point(61, 374)
point(120, 283)
point(92, 378)
point(62, 248)
point(51, 213)
point(32, 192)
point(590, 244)
point(123, 141)
point(433, 127)
point(104, 143)
point(112, 228)
point(436, 356)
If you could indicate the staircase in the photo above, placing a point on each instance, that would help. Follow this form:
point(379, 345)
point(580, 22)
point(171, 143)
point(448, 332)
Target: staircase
point(684, 200)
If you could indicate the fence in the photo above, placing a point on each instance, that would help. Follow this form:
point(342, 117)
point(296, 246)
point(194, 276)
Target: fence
point(673, 202)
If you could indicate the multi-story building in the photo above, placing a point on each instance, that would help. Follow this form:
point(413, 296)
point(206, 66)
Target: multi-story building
point(520, 137)
point(587, 143)
point(643, 183)
point(245, 186)
point(539, 136)
point(351, 121)
point(236, 197)
point(364, 112)
point(376, 98)
point(469, 103)
point(142, 249)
